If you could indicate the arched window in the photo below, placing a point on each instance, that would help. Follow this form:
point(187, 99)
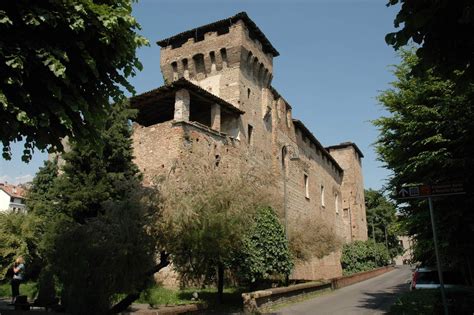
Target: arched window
point(323, 203)
point(249, 63)
point(283, 158)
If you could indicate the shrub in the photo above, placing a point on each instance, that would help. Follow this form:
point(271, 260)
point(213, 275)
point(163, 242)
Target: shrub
point(361, 256)
point(265, 250)
point(310, 238)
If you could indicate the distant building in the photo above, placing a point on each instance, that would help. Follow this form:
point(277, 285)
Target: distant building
point(218, 105)
point(407, 256)
point(12, 197)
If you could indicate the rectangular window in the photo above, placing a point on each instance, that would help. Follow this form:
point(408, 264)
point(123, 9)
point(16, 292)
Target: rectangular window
point(250, 135)
point(306, 186)
point(322, 196)
point(199, 63)
point(336, 202)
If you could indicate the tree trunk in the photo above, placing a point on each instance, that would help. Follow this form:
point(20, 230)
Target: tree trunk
point(220, 283)
point(130, 298)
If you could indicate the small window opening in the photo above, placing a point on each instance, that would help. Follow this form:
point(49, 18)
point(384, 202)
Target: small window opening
point(174, 65)
point(255, 67)
point(248, 93)
point(346, 213)
point(250, 134)
point(260, 74)
point(185, 68)
point(218, 160)
point(199, 63)
point(306, 186)
point(336, 202)
point(213, 61)
point(224, 57)
point(323, 203)
point(283, 157)
point(249, 63)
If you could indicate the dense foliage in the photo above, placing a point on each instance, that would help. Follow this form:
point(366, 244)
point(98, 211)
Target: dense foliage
point(428, 138)
point(361, 256)
point(207, 212)
point(310, 238)
point(265, 251)
point(443, 29)
point(60, 62)
point(383, 226)
point(93, 221)
point(18, 237)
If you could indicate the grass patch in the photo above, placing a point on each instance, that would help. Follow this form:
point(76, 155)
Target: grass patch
point(29, 289)
point(460, 301)
point(159, 296)
point(309, 296)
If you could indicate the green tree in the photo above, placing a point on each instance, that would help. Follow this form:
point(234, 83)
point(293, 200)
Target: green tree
point(361, 256)
point(443, 30)
point(17, 238)
point(428, 138)
point(96, 238)
point(60, 63)
point(382, 220)
point(206, 215)
point(265, 251)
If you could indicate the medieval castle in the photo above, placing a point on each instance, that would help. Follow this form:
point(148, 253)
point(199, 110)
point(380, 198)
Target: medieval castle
point(218, 101)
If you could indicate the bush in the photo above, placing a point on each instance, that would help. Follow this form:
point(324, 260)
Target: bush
point(361, 256)
point(265, 250)
point(311, 238)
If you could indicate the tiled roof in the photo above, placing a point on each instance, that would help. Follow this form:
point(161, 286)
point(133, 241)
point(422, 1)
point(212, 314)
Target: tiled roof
point(254, 32)
point(13, 190)
point(182, 83)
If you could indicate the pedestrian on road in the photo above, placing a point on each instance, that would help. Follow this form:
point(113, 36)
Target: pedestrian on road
point(18, 277)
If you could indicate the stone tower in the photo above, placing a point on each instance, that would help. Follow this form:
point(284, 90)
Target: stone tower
point(349, 157)
point(231, 59)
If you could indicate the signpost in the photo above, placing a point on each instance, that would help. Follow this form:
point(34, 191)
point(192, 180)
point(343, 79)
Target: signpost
point(430, 191)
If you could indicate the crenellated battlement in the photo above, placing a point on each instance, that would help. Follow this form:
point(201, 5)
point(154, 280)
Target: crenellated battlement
point(231, 44)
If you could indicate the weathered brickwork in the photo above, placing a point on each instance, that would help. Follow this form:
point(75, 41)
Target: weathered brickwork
point(230, 117)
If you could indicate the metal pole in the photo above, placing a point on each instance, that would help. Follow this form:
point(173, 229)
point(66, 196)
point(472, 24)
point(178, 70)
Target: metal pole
point(373, 230)
point(285, 203)
point(438, 262)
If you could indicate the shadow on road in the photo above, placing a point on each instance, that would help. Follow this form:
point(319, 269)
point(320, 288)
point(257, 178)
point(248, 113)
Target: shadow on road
point(381, 301)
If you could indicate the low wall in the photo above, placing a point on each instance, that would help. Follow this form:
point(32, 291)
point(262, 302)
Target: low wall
point(265, 298)
point(253, 301)
point(344, 281)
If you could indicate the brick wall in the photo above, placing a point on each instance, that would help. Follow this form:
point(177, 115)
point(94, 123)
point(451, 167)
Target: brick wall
point(245, 83)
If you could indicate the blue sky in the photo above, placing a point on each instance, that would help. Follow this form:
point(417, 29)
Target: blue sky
point(333, 63)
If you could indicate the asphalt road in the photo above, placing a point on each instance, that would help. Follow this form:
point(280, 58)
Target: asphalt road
point(373, 296)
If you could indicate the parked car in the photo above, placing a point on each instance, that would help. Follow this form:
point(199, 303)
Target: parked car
point(427, 278)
